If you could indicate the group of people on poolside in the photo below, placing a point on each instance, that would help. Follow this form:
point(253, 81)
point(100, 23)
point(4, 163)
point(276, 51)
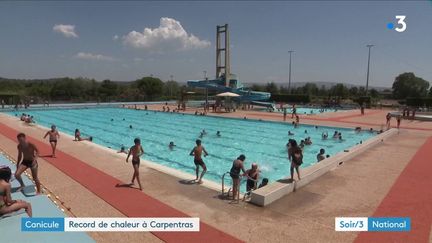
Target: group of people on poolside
point(236, 172)
point(398, 120)
point(27, 159)
point(28, 154)
point(167, 109)
point(27, 118)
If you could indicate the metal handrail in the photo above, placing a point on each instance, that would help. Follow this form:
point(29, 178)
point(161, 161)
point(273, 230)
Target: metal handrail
point(223, 184)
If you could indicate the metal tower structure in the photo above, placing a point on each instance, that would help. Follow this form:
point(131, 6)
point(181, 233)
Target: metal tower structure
point(223, 65)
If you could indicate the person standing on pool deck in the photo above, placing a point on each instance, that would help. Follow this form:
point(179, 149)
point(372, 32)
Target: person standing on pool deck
point(388, 119)
point(398, 120)
point(136, 151)
point(53, 137)
point(294, 111)
point(237, 166)
point(198, 161)
point(284, 114)
point(296, 161)
point(28, 153)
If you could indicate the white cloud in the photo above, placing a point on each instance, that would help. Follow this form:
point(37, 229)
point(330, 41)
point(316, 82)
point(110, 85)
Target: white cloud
point(169, 35)
point(91, 56)
point(66, 30)
point(138, 59)
point(115, 37)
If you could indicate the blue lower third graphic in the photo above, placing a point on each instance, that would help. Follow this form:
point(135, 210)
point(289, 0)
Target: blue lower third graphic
point(42, 224)
point(389, 224)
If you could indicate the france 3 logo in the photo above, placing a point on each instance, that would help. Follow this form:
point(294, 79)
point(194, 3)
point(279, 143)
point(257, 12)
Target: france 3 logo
point(401, 24)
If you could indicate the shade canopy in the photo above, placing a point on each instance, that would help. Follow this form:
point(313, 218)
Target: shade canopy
point(227, 94)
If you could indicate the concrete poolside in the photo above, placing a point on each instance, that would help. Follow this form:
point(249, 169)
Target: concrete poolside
point(355, 189)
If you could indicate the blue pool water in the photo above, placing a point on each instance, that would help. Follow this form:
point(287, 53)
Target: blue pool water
point(261, 142)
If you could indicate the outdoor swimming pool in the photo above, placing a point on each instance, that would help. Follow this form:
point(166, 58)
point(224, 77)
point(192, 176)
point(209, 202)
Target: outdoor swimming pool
point(261, 142)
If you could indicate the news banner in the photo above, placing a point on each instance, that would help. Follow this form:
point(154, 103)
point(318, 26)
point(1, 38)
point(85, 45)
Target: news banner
point(110, 224)
point(392, 224)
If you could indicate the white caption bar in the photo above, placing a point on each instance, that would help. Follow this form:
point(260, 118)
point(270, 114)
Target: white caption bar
point(131, 224)
point(351, 224)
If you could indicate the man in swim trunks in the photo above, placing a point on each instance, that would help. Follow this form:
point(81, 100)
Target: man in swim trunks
point(252, 177)
point(198, 161)
point(136, 151)
point(53, 136)
point(27, 155)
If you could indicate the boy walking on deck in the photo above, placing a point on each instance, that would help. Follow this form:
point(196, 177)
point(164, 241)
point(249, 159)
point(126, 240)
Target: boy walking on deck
point(198, 161)
point(136, 151)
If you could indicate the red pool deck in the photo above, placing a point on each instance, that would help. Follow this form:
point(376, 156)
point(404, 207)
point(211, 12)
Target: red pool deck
point(410, 196)
point(130, 202)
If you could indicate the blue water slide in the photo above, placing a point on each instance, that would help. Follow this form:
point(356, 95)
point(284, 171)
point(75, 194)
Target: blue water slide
point(218, 85)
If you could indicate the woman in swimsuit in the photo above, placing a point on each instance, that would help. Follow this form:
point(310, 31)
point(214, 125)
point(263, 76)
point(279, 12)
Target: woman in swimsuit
point(296, 161)
point(7, 205)
point(237, 166)
point(53, 136)
point(79, 138)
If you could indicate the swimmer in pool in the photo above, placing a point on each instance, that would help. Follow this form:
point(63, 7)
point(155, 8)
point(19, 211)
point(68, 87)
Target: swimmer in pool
point(321, 155)
point(122, 150)
point(136, 151)
point(324, 135)
point(171, 145)
point(308, 141)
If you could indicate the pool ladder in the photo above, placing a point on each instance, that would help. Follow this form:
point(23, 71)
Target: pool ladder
point(227, 194)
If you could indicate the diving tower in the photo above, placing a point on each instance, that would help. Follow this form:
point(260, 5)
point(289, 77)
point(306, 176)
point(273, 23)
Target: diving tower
point(224, 80)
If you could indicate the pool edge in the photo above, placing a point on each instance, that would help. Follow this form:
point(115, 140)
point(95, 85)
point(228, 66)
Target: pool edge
point(276, 190)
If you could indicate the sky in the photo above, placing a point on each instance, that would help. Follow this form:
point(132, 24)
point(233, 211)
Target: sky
point(124, 41)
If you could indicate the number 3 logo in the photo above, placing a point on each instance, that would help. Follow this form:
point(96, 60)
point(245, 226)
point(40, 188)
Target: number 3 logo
point(401, 21)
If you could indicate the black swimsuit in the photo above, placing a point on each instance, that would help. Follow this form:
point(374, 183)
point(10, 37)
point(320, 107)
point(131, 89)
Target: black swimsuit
point(235, 171)
point(28, 163)
point(250, 184)
point(136, 161)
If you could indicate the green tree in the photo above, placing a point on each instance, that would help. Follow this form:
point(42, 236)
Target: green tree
point(272, 88)
point(171, 88)
point(373, 93)
point(150, 86)
point(353, 91)
point(339, 90)
point(408, 85)
point(310, 89)
point(108, 89)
